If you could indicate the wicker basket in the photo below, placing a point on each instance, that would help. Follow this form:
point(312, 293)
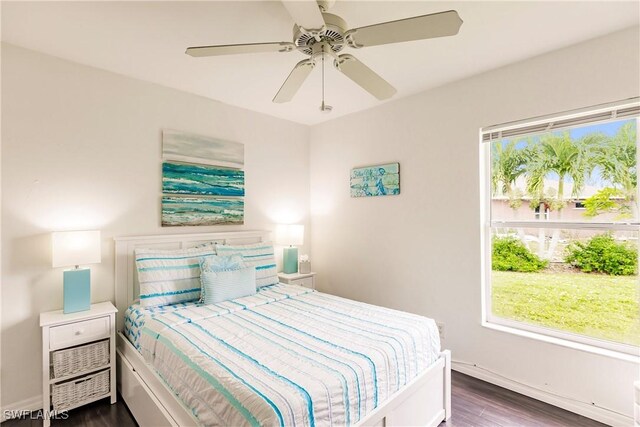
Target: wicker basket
point(80, 359)
point(68, 394)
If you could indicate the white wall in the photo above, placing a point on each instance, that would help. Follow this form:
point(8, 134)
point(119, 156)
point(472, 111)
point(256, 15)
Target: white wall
point(420, 251)
point(82, 150)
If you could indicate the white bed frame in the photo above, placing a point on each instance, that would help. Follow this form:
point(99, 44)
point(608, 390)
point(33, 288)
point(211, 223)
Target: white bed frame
point(426, 401)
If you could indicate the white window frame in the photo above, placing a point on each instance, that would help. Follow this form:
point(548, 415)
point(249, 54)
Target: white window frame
point(602, 114)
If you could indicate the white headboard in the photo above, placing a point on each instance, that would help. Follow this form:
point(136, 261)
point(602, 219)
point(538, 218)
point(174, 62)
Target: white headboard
point(126, 277)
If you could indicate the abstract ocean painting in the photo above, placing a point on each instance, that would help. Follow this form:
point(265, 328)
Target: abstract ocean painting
point(380, 180)
point(178, 178)
point(181, 211)
point(190, 148)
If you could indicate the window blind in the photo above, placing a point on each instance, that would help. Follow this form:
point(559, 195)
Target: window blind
point(615, 111)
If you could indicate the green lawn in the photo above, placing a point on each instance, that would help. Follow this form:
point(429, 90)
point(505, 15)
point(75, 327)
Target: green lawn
point(588, 304)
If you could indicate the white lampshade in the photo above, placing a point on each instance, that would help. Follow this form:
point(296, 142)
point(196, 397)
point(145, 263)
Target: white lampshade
point(290, 234)
point(75, 248)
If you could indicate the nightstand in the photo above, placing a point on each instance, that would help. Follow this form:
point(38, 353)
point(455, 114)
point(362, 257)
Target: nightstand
point(300, 279)
point(78, 358)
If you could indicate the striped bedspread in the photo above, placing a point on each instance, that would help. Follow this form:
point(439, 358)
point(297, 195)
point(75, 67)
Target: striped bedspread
point(287, 356)
point(136, 315)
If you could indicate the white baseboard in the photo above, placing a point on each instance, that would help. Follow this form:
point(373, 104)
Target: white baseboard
point(603, 415)
point(31, 404)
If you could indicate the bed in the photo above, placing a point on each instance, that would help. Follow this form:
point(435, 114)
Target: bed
point(287, 355)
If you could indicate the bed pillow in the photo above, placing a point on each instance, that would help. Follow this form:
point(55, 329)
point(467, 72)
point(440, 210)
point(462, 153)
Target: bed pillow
point(259, 255)
point(215, 263)
point(170, 276)
point(228, 284)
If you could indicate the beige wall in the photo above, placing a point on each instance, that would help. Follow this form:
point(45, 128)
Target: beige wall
point(82, 150)
point(420, 251)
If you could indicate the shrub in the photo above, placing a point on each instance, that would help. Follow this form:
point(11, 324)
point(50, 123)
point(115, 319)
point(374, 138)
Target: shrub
point(510, 254)
point(603, 254)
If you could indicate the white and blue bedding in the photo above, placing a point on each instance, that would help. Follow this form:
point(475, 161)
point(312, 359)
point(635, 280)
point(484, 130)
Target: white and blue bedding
point(136, 315)
point(285, 356)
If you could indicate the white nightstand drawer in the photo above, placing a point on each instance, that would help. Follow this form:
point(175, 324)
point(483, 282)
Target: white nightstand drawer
point(307, 282)
point(79, 332)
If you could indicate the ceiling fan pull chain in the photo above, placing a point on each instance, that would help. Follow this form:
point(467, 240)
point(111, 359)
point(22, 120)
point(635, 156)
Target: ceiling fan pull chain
point(324, 107)
point(322, 74)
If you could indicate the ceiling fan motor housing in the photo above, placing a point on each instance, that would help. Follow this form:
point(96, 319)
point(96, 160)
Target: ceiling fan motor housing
point(333, 34)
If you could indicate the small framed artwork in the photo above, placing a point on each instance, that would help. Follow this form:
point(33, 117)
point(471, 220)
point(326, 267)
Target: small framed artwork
point(377, 180)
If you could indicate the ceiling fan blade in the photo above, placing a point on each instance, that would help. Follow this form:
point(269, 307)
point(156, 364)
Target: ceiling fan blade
point(364, 76)
point(297, 76)
point(417, 28)
point(233, 49)
point(305, 13)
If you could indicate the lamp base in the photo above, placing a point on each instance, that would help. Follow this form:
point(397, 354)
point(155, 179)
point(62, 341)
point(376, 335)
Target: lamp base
point(77, 290)
point(290, 260)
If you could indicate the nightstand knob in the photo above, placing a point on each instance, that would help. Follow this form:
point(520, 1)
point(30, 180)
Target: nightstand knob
point(79, 331)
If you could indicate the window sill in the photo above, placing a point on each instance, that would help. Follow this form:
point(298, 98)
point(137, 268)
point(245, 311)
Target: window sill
point(564, 343)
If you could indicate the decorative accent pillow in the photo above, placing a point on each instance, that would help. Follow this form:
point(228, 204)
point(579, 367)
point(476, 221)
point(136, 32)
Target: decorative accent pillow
point(259, 255)
point(170, 276)
point(215, 263)
point(229, 284)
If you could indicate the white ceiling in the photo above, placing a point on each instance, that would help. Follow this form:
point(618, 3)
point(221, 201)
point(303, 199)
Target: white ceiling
point(147, 39)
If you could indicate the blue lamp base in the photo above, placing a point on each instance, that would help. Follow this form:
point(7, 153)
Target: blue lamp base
point(77, 290)
point(290, 260)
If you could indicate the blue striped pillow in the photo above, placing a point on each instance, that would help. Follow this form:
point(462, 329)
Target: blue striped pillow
point(259, 255)
point(229, 284)
point(170, 276)
point(215, 263)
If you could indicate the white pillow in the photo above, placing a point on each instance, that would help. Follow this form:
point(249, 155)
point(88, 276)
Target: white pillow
point(224, 285)
point(170, 276)
point(259, 255)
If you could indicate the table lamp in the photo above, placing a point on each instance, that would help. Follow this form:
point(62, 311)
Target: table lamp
point(76, 248)
point(290, 235)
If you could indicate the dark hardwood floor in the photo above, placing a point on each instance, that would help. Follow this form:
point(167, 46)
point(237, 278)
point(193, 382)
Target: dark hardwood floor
point(475, 403)
point(480, 404)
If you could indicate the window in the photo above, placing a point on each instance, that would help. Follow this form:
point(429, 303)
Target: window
point(561, 226)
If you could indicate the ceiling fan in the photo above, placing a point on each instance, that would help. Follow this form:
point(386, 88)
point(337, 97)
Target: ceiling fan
point(319, 35)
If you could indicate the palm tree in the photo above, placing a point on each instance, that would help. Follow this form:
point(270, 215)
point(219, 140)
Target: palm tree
point(616, 156)
point(507, 165)
point(557, 154)
point(563, 156)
